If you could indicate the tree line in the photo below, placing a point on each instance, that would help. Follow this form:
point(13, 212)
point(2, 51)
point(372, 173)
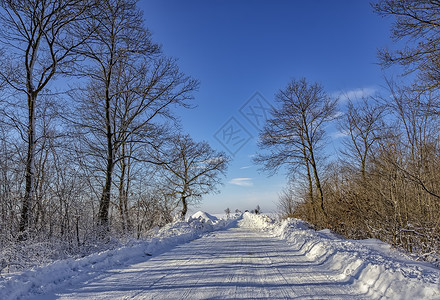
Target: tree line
point(386, 183)
point(87, 125)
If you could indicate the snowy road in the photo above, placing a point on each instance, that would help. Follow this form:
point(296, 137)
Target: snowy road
point(238, 263)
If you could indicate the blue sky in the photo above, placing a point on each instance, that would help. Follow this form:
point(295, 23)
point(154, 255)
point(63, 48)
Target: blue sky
point(238, 48)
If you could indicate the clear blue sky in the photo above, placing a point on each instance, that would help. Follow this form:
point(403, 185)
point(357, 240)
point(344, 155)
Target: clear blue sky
point(237, 48)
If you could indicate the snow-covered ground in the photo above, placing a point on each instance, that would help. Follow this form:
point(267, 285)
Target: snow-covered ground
point(256, 257)
point(371, 266)
point(63, 273)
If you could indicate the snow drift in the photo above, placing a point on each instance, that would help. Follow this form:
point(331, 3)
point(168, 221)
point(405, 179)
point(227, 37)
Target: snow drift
point(204, 217)
point(375, 269)
point(61, 273)
point(370, 266)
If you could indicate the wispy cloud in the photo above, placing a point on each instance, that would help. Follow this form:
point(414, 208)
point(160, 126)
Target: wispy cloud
point(355, 94)
point(339, 134)
point(338, 114)
point(242, 181)
point(245, 167)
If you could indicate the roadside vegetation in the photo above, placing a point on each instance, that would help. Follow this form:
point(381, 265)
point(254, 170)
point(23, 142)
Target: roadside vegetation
point(385, 183)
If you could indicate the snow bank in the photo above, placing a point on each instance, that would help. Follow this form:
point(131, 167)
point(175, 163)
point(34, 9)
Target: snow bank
point(372, 266)
point(205, 217)
point(67, 272)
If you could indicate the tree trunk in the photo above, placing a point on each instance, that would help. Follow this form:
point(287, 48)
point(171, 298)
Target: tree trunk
point(122, 192)
point(318, 186)
point(312, 201)
point(126, 193)
point(30, 166)
point(104, 203)
point(78, 243)
point(310, 183)
point(184, 208)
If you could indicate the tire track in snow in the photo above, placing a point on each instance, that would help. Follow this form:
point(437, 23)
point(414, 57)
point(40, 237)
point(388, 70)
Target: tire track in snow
point(238, 263)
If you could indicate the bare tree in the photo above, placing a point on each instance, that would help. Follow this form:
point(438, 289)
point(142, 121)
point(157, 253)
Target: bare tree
point(287, 202)
point(191, 169)
point(294, 135)
point(416, 23)
point(363, 123)
point(228, 212)
point(257, 210)
point(131, 84)
point(403, 181)
point(119, 34)
point(40, 38)
point(419, 133)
